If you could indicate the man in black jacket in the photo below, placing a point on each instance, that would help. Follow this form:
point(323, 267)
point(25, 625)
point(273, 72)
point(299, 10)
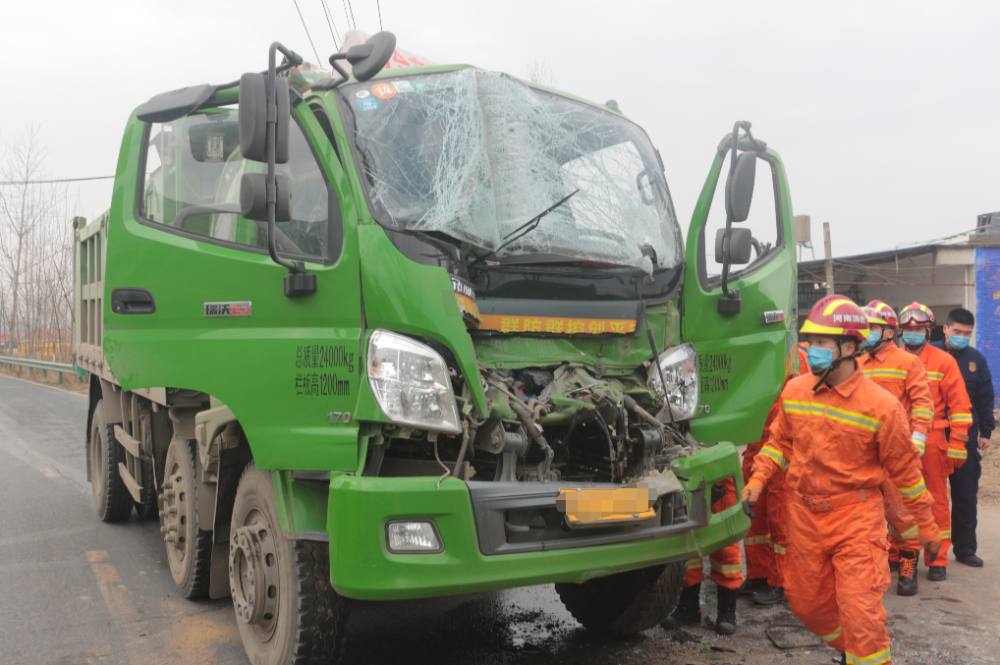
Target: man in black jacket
point(965, 480)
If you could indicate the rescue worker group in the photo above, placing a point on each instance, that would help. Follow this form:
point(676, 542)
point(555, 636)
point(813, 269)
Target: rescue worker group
point(850, 480)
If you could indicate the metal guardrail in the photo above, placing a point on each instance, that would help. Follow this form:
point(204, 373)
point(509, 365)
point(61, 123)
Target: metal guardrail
point(44, 365)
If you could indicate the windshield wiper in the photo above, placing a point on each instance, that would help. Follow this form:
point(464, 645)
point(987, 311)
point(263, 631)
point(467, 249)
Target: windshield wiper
point(523, 230)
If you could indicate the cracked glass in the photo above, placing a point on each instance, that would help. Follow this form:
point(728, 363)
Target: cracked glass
point(476, 155)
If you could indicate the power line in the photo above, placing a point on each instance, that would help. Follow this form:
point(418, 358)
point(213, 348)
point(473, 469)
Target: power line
point(379, 14)
point(45, 182)
point(353, 22)
point(307, 30)
point(330, 23)
point(346, 15)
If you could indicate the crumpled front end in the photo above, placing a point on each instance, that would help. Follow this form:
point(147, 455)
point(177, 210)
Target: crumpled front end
point(481, 549)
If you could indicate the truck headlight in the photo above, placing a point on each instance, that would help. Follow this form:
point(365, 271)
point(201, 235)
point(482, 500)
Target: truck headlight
point(410, 382)
point(680, 371)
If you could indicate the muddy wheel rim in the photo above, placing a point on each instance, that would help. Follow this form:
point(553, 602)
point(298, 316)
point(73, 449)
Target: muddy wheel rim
point(253, 574)
point(176, 514)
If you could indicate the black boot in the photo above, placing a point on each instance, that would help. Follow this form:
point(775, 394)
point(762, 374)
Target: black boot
point(688, 612)
point(750, 586)
point(725, 621)
point(772, 595)
point(907, 585)
point(937, 573)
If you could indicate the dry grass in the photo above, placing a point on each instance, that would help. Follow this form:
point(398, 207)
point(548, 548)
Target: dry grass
point(70, 380)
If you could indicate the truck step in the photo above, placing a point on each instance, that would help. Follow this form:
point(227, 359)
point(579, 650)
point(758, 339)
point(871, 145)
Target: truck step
point(134, 488)
point(132, 445)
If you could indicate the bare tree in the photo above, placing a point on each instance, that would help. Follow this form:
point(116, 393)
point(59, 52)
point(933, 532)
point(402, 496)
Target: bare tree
point(539, 72)
point(36, 263)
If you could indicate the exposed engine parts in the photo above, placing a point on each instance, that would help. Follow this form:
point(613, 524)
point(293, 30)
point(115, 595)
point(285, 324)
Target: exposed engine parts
point(544, 425)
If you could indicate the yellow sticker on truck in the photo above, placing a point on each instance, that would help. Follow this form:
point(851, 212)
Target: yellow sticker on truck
point(561, 326)
point(606, 505)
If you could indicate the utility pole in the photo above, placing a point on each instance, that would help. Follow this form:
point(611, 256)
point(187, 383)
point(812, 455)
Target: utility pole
point(828, 253)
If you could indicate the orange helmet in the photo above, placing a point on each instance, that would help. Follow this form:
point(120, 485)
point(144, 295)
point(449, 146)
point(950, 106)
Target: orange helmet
point(888, 314)
point(837, 316)
point(917, 315)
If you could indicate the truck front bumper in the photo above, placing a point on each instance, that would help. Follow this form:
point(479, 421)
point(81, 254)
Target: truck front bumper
point(478, 557)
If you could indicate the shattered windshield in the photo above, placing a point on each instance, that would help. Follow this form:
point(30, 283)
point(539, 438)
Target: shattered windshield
point(477, 155)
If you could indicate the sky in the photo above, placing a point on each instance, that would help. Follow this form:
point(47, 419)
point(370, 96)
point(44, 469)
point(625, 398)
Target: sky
point(884, 113)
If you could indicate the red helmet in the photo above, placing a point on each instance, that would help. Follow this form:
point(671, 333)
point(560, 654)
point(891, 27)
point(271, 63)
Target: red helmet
point(917, 315)
point(887, 314)
point(873, 315)
point(837, 316)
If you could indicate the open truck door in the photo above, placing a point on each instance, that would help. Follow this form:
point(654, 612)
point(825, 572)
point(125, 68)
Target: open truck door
point(740, 290)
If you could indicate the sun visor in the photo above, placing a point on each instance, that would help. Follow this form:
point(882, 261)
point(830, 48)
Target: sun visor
point(168, 106)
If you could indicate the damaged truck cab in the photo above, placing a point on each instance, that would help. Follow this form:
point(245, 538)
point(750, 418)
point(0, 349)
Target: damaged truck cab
point(468, 351)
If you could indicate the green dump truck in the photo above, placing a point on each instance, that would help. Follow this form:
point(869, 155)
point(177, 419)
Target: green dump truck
point(418, 332)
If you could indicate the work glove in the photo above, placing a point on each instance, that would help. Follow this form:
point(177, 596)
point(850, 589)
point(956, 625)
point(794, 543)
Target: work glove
point(930, 538)
point(955, 463)
point(749, 495)
point(919, 440)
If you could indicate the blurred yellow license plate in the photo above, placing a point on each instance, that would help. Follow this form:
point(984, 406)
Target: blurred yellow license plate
point(606, 505)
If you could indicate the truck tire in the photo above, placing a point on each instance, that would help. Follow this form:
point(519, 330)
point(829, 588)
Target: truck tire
point(111, 497)
point(625, 603)
point(148, 507)
point(286, 608)
point(189, 548)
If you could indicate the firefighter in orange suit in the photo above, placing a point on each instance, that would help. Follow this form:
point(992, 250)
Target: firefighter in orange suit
point(727, 573)
point(945, 448)
point(838, 435)
point(766, 542)
point(903, 376)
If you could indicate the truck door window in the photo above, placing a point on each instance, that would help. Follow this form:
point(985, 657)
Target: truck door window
point(196, 161)
point(764, 222)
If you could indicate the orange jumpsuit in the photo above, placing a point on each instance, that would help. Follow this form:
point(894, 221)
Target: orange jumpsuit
point(727, 563)
point(944, 453)
point(766, 542)
point(838, 445)
point(903, 376)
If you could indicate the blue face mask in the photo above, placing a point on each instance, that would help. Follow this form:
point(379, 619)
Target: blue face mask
point(914, 338)
point(873, 339)
point(819, 359)
point(958, 343)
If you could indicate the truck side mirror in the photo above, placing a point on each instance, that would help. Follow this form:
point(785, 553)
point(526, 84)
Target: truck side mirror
point(740, 246)
point(253, 197)
point(366, 59)
point(370, 58)
point(739, 187)
point(253, 118)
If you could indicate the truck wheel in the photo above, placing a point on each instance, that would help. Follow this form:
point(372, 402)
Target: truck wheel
point(111, 497)
point(189, 549)
point(147, 508)
point(286, 608)
point(626, 603)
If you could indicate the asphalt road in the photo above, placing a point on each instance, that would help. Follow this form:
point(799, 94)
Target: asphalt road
point(76, 591)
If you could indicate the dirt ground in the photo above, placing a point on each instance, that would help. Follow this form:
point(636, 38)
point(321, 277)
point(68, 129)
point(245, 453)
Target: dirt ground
point(989, 484)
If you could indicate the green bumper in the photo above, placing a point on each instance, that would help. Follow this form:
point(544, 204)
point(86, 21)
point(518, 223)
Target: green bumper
point(362, 567)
